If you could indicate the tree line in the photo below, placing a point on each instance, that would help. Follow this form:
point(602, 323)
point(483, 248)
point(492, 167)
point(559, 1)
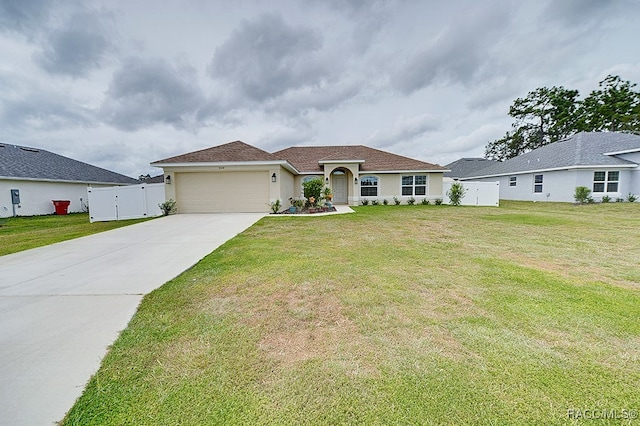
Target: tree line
point(547, 115)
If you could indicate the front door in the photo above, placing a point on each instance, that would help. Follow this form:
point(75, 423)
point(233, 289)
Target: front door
point(339, 189)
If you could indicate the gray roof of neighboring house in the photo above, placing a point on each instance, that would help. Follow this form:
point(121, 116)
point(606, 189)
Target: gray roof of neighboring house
point(21, 162)
point(579, 150)
point(467, 166)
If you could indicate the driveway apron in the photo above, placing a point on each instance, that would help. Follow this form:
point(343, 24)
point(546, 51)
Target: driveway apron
point(61, 306)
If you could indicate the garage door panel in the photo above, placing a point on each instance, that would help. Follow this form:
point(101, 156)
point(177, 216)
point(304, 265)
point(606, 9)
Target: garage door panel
point(222, 192)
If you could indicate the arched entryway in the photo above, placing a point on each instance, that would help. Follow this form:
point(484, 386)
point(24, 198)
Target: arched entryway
point(339, 186)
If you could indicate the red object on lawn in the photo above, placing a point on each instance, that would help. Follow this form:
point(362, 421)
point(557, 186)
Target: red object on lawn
point(61, 206)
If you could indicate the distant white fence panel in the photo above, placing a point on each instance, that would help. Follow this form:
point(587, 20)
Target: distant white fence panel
point(477, 194)
point(125, 202)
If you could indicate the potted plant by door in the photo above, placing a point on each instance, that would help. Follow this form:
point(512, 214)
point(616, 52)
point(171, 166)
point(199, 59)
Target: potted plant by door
point(327, 194)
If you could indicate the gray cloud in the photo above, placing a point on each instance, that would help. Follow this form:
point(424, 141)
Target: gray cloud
point(78, 46)
point(405, 130)
point(23, 15)
point(144, 92)
point(42, 110)
point(457, 52)
point(264, 58)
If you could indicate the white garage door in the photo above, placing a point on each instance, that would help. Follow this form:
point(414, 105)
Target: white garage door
point(222, 192)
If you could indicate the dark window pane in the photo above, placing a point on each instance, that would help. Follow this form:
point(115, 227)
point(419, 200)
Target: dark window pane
point(421, 190)
point(407, 180)
point(598, 187)
point(598, 176)
point(407, 190)
point(615, 176)
point(612, 187)
point(369, 191)
point(537, 188)
point(538, 179)
point(421, 180)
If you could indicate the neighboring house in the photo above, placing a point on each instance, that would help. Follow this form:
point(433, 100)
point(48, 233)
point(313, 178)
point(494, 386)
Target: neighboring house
point(606, 163)
point(41, 176)
point(466, 167)
point(237, 177)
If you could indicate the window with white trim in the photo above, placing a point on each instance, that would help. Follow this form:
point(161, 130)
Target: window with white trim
point(513, 180)
point(537, 183)
point(414, 185)
point(369, 186)
point(606, 181)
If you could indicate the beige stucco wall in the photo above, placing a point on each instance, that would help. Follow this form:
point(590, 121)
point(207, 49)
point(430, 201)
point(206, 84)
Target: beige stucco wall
point(288, 185)
point(390, 185)
point(224, 188)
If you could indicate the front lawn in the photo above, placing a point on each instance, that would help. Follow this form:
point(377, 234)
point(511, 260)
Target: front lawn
point(392, 315)
point(27, 232)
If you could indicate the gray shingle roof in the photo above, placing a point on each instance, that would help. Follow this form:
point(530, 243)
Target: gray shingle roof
point(467, 166)
point(38, 164)
point(582, 149)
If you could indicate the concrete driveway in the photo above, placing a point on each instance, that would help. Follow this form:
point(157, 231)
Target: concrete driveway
point(61, 306)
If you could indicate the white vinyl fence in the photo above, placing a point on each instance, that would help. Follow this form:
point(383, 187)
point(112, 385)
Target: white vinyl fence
point(477, 194)
point(125, 202)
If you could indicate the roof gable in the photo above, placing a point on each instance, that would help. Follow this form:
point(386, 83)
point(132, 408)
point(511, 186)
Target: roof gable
point(21, 162)
point(580, 150)
point(237, 151)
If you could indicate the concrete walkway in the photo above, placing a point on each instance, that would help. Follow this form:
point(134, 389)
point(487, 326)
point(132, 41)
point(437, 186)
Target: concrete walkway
point(61, 306)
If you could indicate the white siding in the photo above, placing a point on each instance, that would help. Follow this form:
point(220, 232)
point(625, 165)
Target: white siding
point(36, 197)
point(560, 185)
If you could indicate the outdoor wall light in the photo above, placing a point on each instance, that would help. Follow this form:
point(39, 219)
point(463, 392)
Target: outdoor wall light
point(355, 180)
point(167, 180)
point(326, 180)
point(273, 177)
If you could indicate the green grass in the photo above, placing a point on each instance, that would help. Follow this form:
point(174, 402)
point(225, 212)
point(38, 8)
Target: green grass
point(392, 315)
point(27, 232)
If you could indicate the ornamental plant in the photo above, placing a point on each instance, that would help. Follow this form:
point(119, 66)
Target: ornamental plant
point(582, 194)
point(456, 194)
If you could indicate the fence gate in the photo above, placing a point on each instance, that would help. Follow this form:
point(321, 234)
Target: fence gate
point(125, 202)
point(477, 193)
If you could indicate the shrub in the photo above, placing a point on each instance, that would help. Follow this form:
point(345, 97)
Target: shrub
point(456, 193)
point(438, 201)
point(313, 188)
point(411, 201)
point(582, 194)
point(168, 207)
point(606, 199)
point(632, 198)
point(385, 202)
point(275, 206)
point(425, 202)
point(365, 202)
point(396, 201)
point(375, 202)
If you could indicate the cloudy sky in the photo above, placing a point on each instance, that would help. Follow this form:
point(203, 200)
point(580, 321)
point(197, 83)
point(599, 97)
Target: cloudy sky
point(120, 84)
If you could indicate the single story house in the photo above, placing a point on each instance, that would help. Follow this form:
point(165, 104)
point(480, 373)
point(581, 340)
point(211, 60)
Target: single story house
point(40, 176)
point(237, 177)
point(605, 162)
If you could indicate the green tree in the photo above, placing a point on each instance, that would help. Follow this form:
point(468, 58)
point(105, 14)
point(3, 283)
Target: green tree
point(544, 116)
point(614, 107)
point(313, 188)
